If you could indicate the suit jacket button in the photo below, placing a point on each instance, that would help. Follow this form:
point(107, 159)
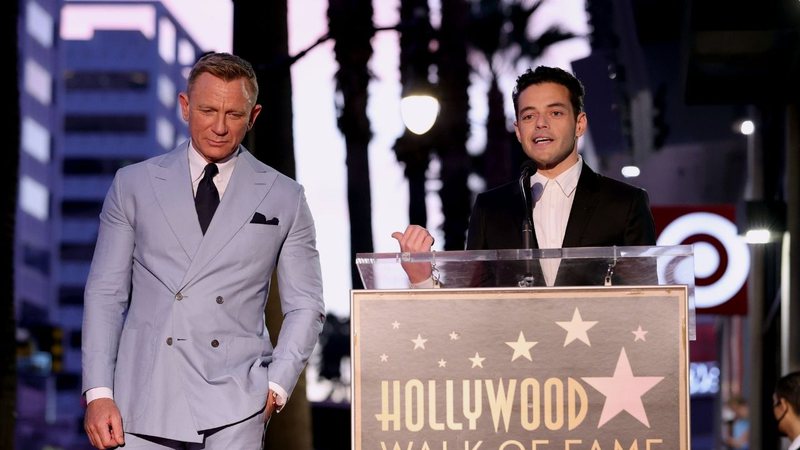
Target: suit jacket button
point(220, 300)
point(215, 343)
point(169, 341)
point(178, 296)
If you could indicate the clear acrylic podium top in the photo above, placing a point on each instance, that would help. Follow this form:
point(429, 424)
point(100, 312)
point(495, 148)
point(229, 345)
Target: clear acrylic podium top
point(559, 267)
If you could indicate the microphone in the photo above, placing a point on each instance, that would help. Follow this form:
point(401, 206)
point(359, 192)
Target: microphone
point(527, 170)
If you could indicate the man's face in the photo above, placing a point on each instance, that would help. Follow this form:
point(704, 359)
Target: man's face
point(219, 113)
point(547, 128)
point(780, 408)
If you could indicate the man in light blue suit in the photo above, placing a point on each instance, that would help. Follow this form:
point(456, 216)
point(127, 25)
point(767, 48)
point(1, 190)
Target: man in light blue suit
point(176, 354)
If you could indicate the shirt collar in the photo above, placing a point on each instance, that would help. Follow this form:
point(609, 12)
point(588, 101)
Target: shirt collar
point(567, 180)
point(795, 443)
point(197, 164)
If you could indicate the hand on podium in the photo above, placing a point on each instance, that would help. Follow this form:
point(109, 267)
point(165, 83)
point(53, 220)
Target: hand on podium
point(416, 239)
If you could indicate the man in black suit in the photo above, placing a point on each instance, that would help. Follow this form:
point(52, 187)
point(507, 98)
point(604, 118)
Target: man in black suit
point(572, 205)
point(786, 407)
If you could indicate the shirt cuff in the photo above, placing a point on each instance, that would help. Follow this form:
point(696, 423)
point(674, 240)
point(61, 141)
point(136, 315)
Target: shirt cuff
point(280, 396)
point(428, 283)
point(98, 392)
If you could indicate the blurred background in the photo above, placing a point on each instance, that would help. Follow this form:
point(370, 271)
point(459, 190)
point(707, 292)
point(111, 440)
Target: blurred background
point(695, 101)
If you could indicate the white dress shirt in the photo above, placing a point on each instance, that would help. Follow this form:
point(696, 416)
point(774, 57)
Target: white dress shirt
point(552, 203)
point(197, 166)
point(795, 445)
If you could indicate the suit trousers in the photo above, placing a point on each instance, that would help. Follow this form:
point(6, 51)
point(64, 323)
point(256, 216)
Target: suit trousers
point(245, 435)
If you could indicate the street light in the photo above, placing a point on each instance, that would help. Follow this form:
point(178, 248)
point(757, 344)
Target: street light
point(419, 112)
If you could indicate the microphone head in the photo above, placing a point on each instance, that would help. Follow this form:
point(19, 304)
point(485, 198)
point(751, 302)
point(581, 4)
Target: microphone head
point(528, 167)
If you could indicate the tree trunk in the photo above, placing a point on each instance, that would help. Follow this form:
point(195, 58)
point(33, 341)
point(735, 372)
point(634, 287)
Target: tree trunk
point(412, 150)
point(453, 128)
point(350, 24)
point(8, 367)
point(260, 35)
point(498, 155)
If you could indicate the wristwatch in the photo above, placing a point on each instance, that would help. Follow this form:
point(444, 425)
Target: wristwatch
point(279, 402)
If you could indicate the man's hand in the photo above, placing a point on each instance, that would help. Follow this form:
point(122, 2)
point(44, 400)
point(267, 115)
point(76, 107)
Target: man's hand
point(415, 239)
point(272, 405)
point(103, 424)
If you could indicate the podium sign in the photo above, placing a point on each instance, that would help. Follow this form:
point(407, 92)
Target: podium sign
point(595, 368)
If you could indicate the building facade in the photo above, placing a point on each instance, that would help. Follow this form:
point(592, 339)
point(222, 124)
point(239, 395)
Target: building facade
point(96, 93)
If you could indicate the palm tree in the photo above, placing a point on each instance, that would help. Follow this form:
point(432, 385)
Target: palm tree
point(260, 32)
point(453, 129)
point(8, 367)
point(350, 24)
point(498, 32)
point(413, 150)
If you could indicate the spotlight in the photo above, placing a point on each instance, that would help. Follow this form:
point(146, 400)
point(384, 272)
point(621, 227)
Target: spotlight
point(757, 236)
point(762, 221)
point(631, 172)
point(747, 127)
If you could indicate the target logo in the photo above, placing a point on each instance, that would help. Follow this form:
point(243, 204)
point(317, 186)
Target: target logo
point(721, 256)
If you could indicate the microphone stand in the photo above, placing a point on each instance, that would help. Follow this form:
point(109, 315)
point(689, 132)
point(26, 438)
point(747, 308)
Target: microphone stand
point(528, 169)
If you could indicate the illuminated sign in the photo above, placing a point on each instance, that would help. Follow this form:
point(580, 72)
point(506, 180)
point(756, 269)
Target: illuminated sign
point(721, 256)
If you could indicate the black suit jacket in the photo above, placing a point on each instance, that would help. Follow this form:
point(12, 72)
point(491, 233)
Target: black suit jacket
point(605, 212)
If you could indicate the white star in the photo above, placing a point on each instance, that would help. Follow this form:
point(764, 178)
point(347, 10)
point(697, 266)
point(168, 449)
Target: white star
point(395, 325)
point(477, 361)
point(576, 328)
point(454, 336)
point(384, 357)
point(623, 391)
point(442, 363)
point(639, 334)
point(419, 342)
point(521, 347)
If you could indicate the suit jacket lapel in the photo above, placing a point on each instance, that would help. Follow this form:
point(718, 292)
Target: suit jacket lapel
point(582, 207)
point(173, 190)
point(249, 184)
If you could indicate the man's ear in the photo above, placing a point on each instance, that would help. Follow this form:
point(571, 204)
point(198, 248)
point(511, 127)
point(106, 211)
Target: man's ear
point(253, 115)
point(517, 132)
point(580, 124)
point(183, 100)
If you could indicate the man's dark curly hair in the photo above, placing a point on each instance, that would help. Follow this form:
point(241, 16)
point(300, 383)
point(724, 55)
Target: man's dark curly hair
point(788, 388)
point(545, 74)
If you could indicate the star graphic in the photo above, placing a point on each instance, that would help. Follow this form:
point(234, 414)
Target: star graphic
point(576, 328)
point(454, 336)
point(442, 363)
point(395, 325)
point(639, 334)
point(521, 347)
point(419, 342)
point(477, 361)
point(623, 391)
point(384, 357)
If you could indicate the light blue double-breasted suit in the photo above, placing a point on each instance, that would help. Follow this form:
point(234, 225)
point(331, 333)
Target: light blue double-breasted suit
point(174, 319)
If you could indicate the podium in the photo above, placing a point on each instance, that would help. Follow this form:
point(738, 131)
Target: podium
point(574, 348)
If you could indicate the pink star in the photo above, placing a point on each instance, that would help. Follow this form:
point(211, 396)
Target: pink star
point(638, 334)
point(623, 391)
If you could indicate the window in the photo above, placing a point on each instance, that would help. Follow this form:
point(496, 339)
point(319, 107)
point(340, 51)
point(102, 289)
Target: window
point(80, 208)
point(90, 123)
point(70, 295)
point(77, 252)
point(106, 81)
point(95, 166)
point(36, 258)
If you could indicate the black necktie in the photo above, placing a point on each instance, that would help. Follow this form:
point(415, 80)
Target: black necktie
point(207, 198)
